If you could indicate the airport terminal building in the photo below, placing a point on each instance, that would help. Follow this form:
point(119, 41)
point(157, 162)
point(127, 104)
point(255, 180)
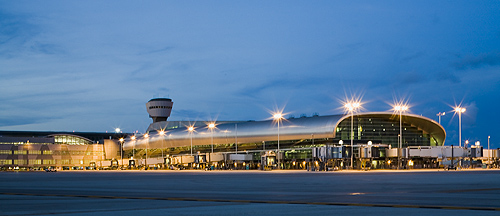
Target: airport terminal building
point(368, 140)
point(292, 143)
point(63, 150)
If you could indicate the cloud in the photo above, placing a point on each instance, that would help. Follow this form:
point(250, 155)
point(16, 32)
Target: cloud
point(448, 76)
point(470, 116)
point(188, 114)
point(410, 78)
point(46, 48)
point(156, 51)
point(255, 90)
point(291, 84)
point(482, 60)
point(6, 121)
point(408, 58)
point(163, 90)
point(15, 32)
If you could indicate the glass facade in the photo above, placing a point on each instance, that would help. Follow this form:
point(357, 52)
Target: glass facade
point(383, 131)
point(71, 140)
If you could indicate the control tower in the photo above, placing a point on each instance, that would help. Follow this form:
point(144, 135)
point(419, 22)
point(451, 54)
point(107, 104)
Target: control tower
point(159, 109)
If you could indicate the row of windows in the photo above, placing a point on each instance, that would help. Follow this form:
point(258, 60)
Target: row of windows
point(20, 152)
point(5, 162)
point(43, 162)
point(94, 153)
point(59, 139)
point(70, 140)
point(160, 107)
point(49, 152)
point(385, 131)
point(35, 152)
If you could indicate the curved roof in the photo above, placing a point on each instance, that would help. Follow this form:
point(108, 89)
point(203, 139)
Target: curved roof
point(422, 123)
point(258, 131)
point(160, 99)
point(76, 137)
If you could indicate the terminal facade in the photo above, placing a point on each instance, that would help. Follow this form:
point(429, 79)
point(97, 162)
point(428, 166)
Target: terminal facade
point(380, 140)
point(316, 142)
point(28, 150)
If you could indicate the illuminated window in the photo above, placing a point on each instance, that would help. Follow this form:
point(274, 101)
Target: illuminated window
point(35, 162)
point(71, 139)
point(45, 162)
point(64, 161)
point(379, 130)
point(5, 162)
point(5, 152)
point(34, 152)
point(20, 162)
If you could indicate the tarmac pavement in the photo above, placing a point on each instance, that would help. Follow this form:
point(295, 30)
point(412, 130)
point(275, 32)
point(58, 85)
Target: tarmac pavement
point(249, 192)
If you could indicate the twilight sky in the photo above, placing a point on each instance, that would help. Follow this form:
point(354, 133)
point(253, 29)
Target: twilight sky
point(92, 65)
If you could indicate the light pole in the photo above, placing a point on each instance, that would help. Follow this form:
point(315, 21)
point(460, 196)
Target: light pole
point(147, 144)
point(121, 149)
point(28, 153)
point(459, 110)
point(278, 117)
point(400, 109)
point(211, 126)
point(133, 149)
point(489, 151)
point(162, 133)
point(351, 107)
point(439, 116)
point(341, 143)
point(236, 137)
point(191, 129)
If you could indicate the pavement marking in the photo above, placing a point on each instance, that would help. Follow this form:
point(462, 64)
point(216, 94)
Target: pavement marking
point(470, 190)
point(265, 202)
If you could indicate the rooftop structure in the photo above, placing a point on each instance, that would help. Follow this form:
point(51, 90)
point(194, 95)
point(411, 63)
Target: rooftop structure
point(376, 127)
point(159, 109)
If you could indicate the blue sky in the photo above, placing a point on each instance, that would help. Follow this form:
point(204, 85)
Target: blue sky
point(92, 65)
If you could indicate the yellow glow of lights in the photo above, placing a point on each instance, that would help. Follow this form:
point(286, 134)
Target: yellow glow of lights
point(191, 128)
point(162, 132)
point(400, 108)
point(121, 139)
point(211, 125)
point(277, 116)
point(351, 106)
point(146, 135)
point(132, 138)
point(354, 194)
point(117, 130)
point(459, 109)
